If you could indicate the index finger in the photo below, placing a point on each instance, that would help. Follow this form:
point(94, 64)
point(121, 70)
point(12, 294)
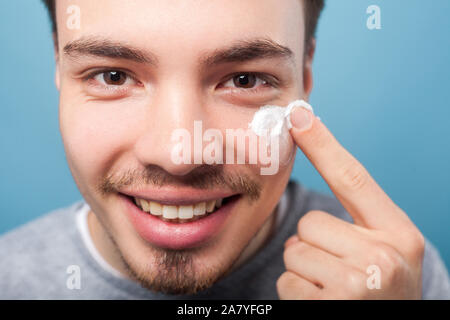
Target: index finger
point(354, 187)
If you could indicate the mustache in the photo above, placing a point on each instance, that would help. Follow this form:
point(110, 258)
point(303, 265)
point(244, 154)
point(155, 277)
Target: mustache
point(203, 177)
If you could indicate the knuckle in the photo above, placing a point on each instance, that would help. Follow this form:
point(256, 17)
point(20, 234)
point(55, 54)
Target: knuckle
point(290, 286)
point(286, 282)
point(415, 245)
point(355, 283)
point(294, 251)
point(286, 255)
point(389, 261)
point(353, 176)
point(385, 257)
point(283, 280)
point(309, 221)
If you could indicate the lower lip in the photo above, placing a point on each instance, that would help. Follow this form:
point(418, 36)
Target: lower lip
point(176, 235)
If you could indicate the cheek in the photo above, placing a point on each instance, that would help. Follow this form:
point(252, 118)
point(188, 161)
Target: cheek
point(286, 151)
point(243, 226)
point(95, 134)
point(274, 154)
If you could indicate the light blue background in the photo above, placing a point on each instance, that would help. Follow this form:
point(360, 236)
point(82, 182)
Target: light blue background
point(383, 93)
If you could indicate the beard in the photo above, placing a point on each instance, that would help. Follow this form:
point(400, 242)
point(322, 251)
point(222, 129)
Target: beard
point(177, 271)
point(173, 272)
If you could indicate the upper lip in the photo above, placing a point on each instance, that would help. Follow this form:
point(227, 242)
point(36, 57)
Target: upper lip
point(177, 196)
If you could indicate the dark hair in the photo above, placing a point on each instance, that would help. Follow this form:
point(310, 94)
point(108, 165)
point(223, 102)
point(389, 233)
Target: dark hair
point(51, 8)
point(312, 10)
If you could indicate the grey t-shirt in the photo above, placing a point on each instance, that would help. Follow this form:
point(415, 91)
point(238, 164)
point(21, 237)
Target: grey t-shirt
point(34, 260)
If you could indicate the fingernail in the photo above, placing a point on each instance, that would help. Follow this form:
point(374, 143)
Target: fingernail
point(290, 241)
point(301, 119)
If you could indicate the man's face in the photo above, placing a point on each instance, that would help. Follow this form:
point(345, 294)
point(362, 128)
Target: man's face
point(133, 73)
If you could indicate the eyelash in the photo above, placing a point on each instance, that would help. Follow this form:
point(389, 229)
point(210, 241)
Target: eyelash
point(269, 81)
point(96, 73)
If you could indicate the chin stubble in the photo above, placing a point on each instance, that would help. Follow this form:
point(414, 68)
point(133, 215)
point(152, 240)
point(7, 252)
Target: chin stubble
point(175, 271)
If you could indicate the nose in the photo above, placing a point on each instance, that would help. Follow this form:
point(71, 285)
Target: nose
point(170, 111)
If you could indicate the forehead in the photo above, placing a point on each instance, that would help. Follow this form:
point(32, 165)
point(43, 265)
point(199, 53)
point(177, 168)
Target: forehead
point(189, 26)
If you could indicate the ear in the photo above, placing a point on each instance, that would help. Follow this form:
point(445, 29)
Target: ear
point(57, 76)
point(307, 70)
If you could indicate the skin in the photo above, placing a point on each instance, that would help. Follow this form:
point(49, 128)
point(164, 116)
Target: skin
point(108, 131)
point(111, 133)
point(328, 258)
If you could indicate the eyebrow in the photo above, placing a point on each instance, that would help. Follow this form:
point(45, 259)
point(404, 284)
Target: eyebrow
point(248, 50)
point(106, 48)
point(240, 51)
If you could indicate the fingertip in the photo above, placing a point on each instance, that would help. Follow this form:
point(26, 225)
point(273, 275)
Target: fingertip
point(301, 119)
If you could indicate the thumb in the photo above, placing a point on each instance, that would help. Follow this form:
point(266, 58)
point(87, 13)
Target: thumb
point(291, 240)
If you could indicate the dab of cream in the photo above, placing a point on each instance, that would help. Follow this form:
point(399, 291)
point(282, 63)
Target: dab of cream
point(275, 121)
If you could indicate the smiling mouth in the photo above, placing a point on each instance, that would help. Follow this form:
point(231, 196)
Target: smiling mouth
point(182, 213)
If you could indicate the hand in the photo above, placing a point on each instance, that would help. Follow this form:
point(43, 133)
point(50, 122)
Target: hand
point(328, 258)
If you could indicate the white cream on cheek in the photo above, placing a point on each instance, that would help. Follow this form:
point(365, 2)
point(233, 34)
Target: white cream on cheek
point(274, 122)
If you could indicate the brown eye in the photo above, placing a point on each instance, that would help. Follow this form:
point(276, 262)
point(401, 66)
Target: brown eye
point(245, 80)
point(116, 78)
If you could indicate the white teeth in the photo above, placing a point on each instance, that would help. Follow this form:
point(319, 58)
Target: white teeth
point(155, 208)
point(210, 205)
point(185, 212)
point(145, 205)
point(181, 212)
point(200, 209)
point(170, 212)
